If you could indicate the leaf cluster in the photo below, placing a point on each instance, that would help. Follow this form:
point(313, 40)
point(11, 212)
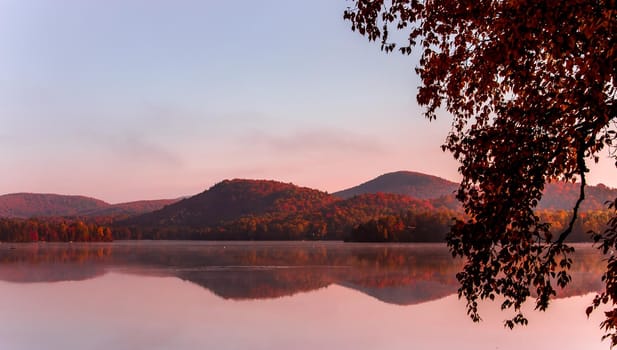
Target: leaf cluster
point(531, 88)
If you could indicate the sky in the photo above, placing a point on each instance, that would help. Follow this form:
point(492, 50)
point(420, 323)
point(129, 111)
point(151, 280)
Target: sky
point(143, 99)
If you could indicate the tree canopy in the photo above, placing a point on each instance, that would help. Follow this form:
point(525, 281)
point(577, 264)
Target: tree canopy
point(530, 85)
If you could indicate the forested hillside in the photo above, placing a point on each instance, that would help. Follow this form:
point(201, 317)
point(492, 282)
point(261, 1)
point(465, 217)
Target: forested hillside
point(271, 210)
point(260, 209)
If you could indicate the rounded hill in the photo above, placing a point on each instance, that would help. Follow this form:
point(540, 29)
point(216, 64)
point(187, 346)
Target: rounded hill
point(407, 183)
point(26, 205)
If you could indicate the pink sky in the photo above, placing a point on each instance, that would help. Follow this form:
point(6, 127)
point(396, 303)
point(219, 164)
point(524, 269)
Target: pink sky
point(141, 100)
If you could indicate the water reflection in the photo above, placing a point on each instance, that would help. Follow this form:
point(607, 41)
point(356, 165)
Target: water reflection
point(187, 295)
point(396, 274)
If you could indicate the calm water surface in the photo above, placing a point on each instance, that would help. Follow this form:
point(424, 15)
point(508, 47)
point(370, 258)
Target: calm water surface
point(204, 295)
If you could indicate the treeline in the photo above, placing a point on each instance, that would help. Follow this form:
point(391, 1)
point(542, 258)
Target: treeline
point(365, 218)
point(432, 226)
point(356, 223)
point(424, 226)
point(53, 230)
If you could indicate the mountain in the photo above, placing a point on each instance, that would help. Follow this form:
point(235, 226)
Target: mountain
point(25, 205)
point(233, 199)
point(407, 183)
point(268, 210)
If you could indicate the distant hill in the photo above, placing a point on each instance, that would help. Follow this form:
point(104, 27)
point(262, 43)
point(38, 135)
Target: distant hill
point(27, 205)
point(557, 196)
point(440, 192)
point(130, 208)
point(407, 183)
point(563, 196)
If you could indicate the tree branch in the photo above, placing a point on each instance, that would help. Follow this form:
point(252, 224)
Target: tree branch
point(582, 168)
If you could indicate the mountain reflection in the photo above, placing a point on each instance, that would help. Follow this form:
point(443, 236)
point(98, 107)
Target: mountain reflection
point(397, 274)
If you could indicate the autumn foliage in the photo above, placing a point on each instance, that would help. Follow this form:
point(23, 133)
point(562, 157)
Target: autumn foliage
point(53, 230)
point(270, 210)
point(531, 88)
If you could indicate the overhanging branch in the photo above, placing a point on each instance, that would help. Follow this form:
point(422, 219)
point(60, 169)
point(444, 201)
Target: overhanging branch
point(582, 168)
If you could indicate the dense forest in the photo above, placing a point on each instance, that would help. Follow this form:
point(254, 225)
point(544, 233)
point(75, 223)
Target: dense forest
point(271, 210)
point(432, 226)
point(53, 230)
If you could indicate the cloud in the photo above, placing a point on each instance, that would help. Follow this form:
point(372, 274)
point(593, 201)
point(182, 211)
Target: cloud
point(315, 141)
point(137, 149)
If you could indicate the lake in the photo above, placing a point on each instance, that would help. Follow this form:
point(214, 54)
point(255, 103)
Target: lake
point(267, 295)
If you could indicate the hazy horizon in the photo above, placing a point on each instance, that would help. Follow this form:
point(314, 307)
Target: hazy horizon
point(206, 188)
point(135, 100)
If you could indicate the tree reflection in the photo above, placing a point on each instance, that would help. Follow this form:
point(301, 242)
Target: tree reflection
point(398, 274)
point(42, 262)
